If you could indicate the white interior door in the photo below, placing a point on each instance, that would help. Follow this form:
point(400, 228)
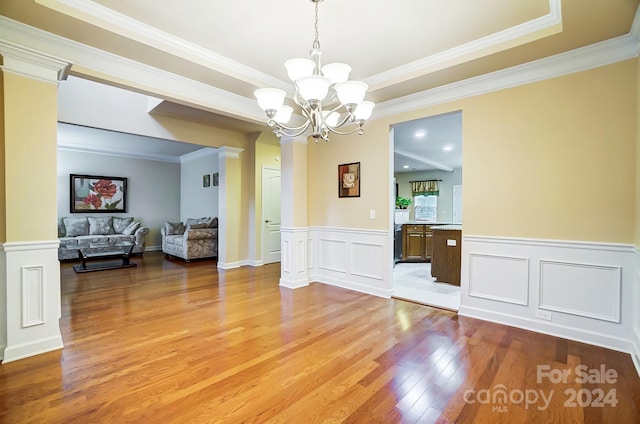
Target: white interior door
point(270, 215)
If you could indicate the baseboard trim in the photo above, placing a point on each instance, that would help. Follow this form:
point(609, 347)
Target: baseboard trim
point(354, 286)
point(570, 333)
point(294, 284)
point(25, 350)
point(229, 265)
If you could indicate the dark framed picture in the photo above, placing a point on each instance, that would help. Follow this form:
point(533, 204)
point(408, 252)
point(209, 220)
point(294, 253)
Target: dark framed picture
point(349, 180)
point(206, 180)
point(92, 193)
point(215, 179)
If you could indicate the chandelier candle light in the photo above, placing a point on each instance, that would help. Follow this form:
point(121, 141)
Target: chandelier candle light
point(326, 96)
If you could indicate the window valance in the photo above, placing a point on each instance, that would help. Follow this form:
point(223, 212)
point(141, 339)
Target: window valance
point(425, 188)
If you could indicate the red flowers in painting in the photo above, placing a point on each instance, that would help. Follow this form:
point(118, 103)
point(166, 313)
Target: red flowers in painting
point(101, 194)
point(105, 188)
point(93, 200)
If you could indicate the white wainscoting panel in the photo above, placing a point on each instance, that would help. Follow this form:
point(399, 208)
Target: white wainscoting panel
point(578, 290)
point(636, 314)
point(32, 296)
point(293, 260)
point(33, 310)
point(351, 258)
point(367, 260)
point(333, 255)
point(561, 284)
point(502, 278)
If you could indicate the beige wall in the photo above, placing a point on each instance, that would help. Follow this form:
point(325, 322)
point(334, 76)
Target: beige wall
point(30, 111)
point(552, 160)
point(371, 150)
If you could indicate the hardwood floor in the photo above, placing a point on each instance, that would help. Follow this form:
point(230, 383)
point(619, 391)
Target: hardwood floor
point(172, 342)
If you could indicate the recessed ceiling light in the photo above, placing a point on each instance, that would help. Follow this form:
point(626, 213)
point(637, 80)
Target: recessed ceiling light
point(448, 148)
point(406, 166)
point(420, 134)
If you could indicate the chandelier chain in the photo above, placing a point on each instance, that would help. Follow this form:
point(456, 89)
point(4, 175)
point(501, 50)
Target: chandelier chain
point(316, 42)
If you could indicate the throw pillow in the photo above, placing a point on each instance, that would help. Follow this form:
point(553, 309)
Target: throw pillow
point(119, 224)
point(212, 223)
point(191, 221)
point(100, 226)
point(131, 228)
point(173, 228)
point(76, 227)
point(61, 229)
point(196, 226)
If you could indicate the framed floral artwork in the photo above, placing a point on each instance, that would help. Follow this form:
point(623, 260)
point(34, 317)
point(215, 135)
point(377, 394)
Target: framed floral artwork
point(349, 180)
point(90, 193)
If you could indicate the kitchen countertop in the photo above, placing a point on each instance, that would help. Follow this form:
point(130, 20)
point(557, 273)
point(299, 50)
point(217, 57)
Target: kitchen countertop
point(429, 223)
point(448, 227)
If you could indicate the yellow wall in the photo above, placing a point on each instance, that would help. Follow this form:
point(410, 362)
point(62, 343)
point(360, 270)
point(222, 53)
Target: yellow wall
point(552, 160)
point(3, 180)
point(30, 112)
point(324, 206)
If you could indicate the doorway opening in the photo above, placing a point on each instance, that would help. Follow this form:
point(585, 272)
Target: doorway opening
point(427, 172)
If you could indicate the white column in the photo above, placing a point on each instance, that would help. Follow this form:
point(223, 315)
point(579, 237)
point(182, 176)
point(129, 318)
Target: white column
point(30, 307)
point(294, 230)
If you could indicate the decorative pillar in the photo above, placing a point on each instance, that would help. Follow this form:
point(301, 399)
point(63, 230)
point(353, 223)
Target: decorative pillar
point(29, 268)
point(294, 230)
point(230, 230)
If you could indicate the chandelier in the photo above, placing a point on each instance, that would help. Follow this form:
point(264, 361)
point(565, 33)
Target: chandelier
point(327, 98)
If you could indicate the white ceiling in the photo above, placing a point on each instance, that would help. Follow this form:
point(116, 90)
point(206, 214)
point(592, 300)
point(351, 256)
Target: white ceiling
point(433, 143)
point(227, 49)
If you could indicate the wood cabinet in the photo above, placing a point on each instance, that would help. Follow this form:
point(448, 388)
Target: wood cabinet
point(416, 242)
point(447, 256)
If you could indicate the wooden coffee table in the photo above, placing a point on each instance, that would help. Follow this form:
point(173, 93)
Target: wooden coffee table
point(94, 256)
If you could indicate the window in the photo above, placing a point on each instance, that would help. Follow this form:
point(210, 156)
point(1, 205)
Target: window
point(425, 208)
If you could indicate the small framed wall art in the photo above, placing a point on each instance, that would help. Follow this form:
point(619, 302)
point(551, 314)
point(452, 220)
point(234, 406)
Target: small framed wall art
point(215, 179)
point(206, 180)
point(91, 193)
point(349, 180)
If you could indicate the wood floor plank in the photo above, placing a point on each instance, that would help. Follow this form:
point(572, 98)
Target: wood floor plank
point(175, 342)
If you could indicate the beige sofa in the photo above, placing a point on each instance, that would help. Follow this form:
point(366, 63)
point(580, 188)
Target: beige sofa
point(193, 239)
point(78, 231)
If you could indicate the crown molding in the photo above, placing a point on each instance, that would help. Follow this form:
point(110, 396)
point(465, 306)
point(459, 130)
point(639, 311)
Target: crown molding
point(600, 54)
point(230, 152)
point(70, 147)
point(204, 152)
point(117, 23)
point(534, 29)
point(32, 64)
point(130, 73)
point(205, 97)
point(301, 139)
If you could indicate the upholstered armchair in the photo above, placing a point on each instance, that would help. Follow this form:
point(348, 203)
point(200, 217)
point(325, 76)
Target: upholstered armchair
point(194, 239)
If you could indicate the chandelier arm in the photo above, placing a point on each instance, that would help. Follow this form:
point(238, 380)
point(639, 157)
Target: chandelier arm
point(359, 129)
point(302, 128)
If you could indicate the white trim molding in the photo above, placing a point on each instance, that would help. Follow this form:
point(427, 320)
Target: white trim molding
point(32, 64)
point(572, 289)
point(351, 258)
point(636, 313)
point(294, 257)
point(30, 286)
